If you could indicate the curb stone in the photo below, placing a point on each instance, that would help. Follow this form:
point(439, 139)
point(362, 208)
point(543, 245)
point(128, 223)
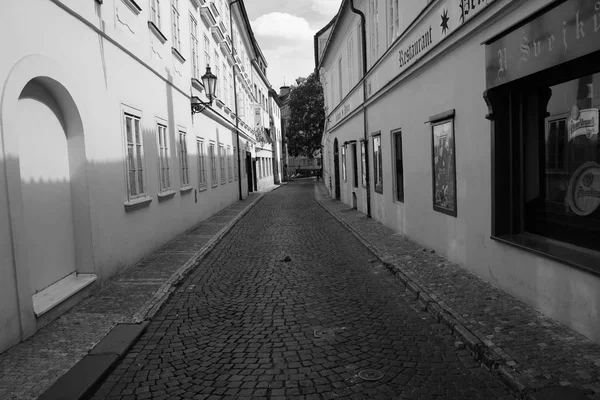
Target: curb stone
point(83, 378)
point(480, 350)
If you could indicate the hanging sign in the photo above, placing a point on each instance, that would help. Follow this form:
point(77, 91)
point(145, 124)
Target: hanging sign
point(566, 32)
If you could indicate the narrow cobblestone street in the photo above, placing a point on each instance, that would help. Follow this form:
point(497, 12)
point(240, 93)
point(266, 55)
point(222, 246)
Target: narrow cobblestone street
point(291, 305)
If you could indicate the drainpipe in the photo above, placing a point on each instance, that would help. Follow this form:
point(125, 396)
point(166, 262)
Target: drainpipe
point(364, 74)
point(235, 100)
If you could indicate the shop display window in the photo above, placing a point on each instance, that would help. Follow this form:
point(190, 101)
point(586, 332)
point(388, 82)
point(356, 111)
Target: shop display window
point(546, 162)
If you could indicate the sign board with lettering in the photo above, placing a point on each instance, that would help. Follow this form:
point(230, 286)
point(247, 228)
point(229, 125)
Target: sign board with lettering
point(342, 110)
point(566, 32)
point(434, 26)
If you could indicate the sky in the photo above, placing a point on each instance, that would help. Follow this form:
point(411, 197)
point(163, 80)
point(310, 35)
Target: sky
point(285, 32)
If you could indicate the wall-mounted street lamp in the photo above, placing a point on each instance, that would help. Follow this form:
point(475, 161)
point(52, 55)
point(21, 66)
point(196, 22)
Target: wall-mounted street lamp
point(209, 80)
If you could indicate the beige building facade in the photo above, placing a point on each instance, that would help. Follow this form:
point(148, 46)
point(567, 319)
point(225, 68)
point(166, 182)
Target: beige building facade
point(102, 160)
point(471, 127)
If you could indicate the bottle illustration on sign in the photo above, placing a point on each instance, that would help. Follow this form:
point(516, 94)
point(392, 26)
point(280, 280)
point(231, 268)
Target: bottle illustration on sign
point(582, 122)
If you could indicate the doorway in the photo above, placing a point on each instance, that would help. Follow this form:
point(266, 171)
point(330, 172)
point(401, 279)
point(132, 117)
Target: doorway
point(255, 176)
point(249, 171)
point(336, 162)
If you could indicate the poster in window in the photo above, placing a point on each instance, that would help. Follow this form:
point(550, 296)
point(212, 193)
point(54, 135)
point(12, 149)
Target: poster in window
point(444, 171)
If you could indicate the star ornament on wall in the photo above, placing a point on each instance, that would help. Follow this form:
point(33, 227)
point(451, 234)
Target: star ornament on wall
point(444, 23)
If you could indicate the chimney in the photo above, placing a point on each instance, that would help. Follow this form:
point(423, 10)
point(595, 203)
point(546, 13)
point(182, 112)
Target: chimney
point(284, 90)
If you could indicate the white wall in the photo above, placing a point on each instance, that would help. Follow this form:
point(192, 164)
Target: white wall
point(100, 77)
point(561, 292)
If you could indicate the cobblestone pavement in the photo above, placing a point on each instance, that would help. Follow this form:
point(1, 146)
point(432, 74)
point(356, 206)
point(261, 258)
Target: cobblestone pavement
point(535, 350)
point(290, 305)
point(31, 367)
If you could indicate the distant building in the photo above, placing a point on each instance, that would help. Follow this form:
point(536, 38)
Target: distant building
point(472, 128)
point(284, 98)
point(101, 159)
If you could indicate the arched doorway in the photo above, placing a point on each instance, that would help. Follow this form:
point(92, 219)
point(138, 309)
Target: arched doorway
point(44, 160)
point(336, 162)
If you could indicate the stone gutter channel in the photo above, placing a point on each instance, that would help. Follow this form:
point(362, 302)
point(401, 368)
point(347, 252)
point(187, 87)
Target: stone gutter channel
point(488, 354)
point(80, 381)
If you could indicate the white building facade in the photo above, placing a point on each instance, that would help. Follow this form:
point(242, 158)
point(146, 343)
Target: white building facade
point(471, 127)
point(101, 159)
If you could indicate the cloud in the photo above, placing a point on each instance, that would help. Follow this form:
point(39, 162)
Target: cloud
point(326, 7)
point(282, 25)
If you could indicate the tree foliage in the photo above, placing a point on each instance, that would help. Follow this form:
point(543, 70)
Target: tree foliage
point(307, 117)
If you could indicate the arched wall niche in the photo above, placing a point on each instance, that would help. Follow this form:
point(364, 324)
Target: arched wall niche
point(47, 73)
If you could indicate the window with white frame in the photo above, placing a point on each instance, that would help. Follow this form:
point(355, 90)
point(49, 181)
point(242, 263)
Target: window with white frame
point(393, 20)
point(213, 165)
point(231, 94)
point(206, 51)
point(230, 164)
point(359, 48)
point(374, 30)
point(344, 174)
point(235, 165)
point(332, 91)
point(377, 164)
point(194, 47)
point(222, 163)
point(183, 162)
point(175, 22)
point(163, 158)
point(201, 164)
point(340, 80)
point(218, 75)
point(350, 55)
point(258, 167)
point(135, 157)
point(363, 162)
point(225, 85)
point(155, 12)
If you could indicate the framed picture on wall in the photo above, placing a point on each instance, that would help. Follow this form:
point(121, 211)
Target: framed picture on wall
point(443, 160)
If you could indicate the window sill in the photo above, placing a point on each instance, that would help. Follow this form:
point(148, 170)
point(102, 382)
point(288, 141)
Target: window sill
point(197, 84)
point(214, 184)
point(177, 55)
point(578, 257)
point(202, 188)
point(166, 195)
point(133, 6)
point(140, 202)
point(219, 103)
point(157, 32)
point(185, 189)
point(379, 189)
point(60, 291)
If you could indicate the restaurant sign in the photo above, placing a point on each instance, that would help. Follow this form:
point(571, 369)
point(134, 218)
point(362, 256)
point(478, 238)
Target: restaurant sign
point(566, 32)
point(443, 19)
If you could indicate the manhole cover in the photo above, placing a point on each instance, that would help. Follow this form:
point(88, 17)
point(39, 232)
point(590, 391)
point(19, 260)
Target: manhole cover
point(323, 333)
point(370, 375)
